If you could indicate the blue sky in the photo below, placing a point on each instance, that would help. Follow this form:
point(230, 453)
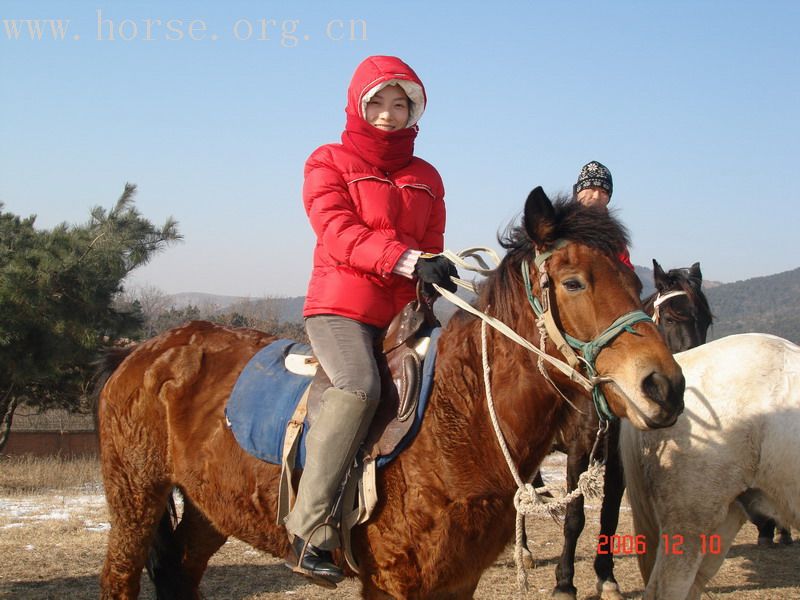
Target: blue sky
point(692, 105)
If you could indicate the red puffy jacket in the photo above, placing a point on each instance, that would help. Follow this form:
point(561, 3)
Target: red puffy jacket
point(369, 200)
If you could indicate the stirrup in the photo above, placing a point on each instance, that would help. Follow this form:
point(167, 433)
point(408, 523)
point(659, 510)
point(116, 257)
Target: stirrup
point(294, 562)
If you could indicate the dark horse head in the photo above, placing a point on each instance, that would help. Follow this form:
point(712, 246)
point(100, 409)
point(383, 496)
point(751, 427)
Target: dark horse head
point(682, 318)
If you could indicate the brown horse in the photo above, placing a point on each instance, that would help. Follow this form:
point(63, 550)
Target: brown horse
point(446, 503)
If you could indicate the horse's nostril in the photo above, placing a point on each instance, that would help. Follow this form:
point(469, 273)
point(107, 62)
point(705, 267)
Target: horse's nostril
point(665, 392)
point(656, 387)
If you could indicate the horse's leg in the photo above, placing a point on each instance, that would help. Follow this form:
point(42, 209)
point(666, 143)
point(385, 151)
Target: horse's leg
point(766, 528)
point(577, 463)
point(713, 556)
point(765, 525)
point(673, 574)
point(785, 536)
point(199, 540)
point(134, 509)
point(766, 532)
point(613, 488)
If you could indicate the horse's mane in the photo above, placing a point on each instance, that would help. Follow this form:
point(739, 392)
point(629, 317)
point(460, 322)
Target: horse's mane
point(593, 227)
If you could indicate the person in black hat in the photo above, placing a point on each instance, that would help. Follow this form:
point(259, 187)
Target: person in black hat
point(594, 188)
point(595, 185)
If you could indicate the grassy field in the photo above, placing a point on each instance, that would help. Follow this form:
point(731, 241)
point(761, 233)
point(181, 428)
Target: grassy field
point(23, 475)
point(54, 524)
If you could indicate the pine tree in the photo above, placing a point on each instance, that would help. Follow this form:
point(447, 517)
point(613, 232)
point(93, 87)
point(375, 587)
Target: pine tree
point(56, 292)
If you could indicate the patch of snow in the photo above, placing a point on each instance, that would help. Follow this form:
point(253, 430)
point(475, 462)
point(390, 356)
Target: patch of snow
point(58, 507)
point(52, 516)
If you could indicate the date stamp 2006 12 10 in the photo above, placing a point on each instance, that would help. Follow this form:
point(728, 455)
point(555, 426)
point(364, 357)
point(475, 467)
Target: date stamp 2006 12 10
point(673, 544)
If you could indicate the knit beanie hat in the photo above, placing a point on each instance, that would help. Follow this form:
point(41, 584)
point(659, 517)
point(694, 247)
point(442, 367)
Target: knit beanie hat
point(595, 174)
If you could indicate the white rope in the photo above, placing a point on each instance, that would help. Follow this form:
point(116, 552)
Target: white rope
point(473, 252)
point(526, 499)
point(586, 383)
point(458, 258)
point(540, 324)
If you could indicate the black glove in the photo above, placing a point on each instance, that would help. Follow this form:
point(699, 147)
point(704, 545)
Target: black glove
point(438, 270)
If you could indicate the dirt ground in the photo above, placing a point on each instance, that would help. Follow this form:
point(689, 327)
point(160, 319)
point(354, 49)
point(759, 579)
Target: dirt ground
point(52, 548)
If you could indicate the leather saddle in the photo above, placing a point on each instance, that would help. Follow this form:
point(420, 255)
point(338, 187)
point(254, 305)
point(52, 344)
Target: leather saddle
point(399, 353)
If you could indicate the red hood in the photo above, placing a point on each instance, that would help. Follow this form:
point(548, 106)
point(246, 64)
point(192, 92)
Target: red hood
point(376, 70)
point(387, 150)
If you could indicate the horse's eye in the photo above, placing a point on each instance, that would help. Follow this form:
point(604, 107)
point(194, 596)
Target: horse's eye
point(669, 320)
point(573, 285)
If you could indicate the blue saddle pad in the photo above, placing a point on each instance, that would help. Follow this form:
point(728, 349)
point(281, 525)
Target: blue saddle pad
point(265, 396)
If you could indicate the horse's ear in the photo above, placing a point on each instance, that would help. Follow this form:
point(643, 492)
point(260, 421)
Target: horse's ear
point(695, 273)
point(539, 218)
point(659, 277)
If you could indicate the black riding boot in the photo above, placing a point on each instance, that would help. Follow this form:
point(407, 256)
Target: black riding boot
point(314, 563)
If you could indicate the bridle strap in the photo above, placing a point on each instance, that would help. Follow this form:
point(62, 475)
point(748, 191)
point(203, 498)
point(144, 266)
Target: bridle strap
point(661, 299)
point(565, 342)
point(591, 383)
point(542, 309)
point(591, 349)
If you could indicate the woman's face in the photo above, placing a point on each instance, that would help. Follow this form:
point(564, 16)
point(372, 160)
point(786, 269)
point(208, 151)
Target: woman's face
point(388, 109)
point(594, 196)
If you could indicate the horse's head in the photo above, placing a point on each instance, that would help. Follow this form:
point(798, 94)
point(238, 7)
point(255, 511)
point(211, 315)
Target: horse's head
point(594, 298)
point(679, 307)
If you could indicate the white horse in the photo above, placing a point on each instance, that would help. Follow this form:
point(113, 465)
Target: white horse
point(737, 443)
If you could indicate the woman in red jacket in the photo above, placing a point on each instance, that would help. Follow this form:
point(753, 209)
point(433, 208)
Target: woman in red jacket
point(375, 209)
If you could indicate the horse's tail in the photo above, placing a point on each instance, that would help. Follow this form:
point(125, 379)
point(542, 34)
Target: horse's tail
point(104, 367)
point(164, 560)
point(644, 522)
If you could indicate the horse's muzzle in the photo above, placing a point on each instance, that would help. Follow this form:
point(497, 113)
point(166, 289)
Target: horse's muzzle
point(668, 395)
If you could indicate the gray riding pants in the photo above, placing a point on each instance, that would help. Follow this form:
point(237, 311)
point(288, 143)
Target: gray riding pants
point(345, 349)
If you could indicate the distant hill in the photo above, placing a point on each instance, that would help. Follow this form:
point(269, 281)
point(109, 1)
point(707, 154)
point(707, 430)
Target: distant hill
point(646, 277)
point(203, 300)
point(768, 304)
point(287, 309)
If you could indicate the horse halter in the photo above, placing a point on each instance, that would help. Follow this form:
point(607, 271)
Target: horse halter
point(661, 299)
point(565, 342)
